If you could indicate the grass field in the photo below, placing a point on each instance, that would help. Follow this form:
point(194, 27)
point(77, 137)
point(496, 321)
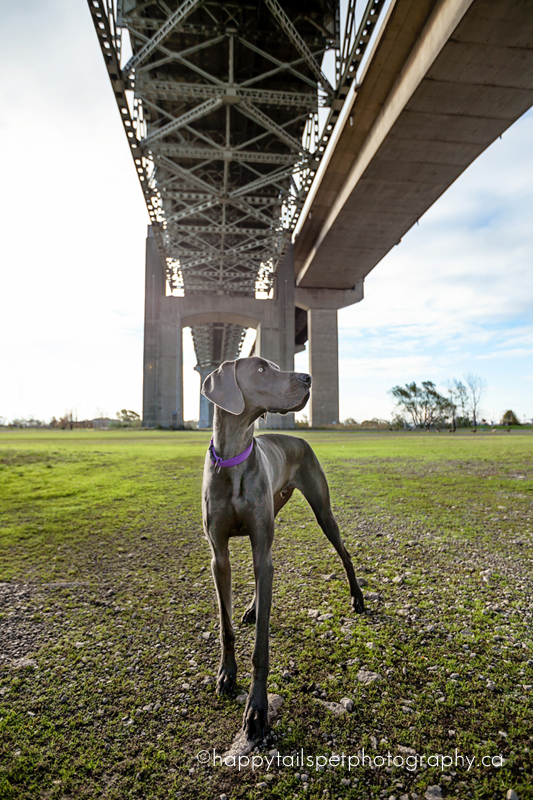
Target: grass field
point(109, 630)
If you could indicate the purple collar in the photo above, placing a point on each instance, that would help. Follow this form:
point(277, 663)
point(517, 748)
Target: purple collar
point(229, 462)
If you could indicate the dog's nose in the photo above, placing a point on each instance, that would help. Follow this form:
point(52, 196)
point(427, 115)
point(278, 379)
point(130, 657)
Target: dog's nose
point(304, 378)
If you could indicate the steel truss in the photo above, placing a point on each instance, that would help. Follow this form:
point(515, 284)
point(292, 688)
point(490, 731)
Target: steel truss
point(228, 111)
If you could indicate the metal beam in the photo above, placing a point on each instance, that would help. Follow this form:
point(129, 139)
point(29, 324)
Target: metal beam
point(247, 108)
point(212, 154)
point(165, 30)
point(186, 174)
point(253, 212)
point(207, 258)
point(299, 43)
point(227, 229)
point(177, 90)
point(191, 211)
point(184, 119)
point(280, 66)
point(133, 21)
point(354, 46)
point(259, 200)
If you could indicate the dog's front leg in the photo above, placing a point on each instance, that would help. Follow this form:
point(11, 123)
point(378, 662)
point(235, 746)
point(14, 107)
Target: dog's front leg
point(221, 569)
point(256, 711)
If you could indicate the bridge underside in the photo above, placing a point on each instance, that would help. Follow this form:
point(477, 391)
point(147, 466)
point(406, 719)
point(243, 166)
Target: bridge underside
point(221, 104)
point(446, 80)
point(228, 112)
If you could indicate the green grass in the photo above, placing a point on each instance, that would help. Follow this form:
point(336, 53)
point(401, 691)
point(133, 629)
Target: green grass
point(105, 588)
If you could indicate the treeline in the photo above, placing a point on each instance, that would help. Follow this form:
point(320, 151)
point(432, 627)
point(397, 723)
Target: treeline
point(69, 421)
point(424, 406)
point(350, 423)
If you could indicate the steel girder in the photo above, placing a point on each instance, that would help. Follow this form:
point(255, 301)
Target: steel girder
point(217, 342)
point(220, 103)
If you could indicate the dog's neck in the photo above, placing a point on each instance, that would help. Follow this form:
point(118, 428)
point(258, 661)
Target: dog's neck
point(233, 433)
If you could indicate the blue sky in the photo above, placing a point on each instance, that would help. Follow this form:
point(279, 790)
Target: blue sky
point(455, 296)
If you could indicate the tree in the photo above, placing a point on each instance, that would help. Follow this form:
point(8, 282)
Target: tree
point(510, 418)
point(452, 405)
point(457, 403)
point(350, 422)
point(65, 421)
point(128, 416)
point(460, 393)
point(424, 404)
point(399, 421)
point(475, 388)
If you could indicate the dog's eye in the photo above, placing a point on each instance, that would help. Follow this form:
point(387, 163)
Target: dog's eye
point(261, 369)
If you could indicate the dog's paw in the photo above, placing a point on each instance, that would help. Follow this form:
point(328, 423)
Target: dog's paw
point(226, 681)
point(358, 605)
point(255, 720)
point(249, 616)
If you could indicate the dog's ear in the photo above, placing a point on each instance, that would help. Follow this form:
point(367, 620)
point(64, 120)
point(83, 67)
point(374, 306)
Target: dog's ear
point(222, 389)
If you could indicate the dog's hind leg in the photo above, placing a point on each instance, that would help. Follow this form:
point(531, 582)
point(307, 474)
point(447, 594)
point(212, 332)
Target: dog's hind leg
point(249, 614)
point(221, 569)
point(281, 498)
point(313, 485)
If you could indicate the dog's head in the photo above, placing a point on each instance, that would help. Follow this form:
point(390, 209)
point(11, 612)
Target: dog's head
point(255, 385)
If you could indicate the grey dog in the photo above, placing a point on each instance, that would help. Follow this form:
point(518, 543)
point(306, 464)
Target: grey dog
point(243, 500)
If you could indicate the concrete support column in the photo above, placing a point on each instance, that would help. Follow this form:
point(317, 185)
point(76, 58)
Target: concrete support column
point(154, 292)
point(163, 372)
point(276, 333)
point(170, 367)
point(285, 299)
point(207, 408)
point(323, 366)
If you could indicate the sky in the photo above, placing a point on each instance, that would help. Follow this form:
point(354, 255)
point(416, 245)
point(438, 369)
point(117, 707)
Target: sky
point(455, 297)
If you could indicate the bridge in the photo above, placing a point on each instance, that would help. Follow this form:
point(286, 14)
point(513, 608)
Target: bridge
point(284, 148)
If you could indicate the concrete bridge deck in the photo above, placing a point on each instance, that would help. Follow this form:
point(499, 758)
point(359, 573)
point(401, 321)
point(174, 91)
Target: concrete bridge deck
point(446, 79)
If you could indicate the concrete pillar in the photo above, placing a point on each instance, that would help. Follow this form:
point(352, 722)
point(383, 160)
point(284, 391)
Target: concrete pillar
point(205, 419)
point(163, 378)
point(170, 367)
point(276, 333)
point(154, 292)
point(323, 366)
point(285, 298)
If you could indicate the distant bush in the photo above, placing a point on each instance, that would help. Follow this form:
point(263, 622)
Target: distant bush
point(375, 423)
point(510, 418)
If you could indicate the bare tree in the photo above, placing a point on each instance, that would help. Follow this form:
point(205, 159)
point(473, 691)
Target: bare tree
point(475, 388)
point(457, 402)
point(460, 393)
